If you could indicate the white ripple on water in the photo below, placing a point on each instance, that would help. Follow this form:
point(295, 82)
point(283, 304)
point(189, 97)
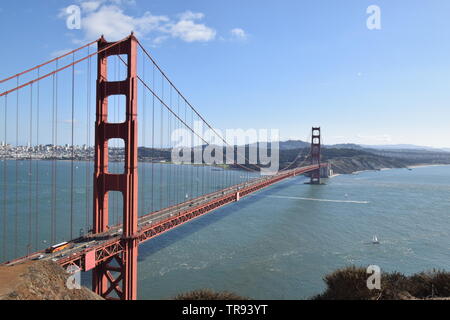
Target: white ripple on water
point(321, 200)
point(183, 266)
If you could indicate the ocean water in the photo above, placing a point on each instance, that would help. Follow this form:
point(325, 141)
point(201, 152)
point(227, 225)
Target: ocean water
point(40, 206)
point(276, 244)
point(281, 242)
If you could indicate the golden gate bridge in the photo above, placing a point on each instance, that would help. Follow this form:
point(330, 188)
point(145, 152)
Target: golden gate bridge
point(43, 107)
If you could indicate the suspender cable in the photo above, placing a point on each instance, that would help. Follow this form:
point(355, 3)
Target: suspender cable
point(5, 185)
point(88, 144)
point(36, 232)
point(143, 124)
point(185, 178)
point(114, 200)
point(153, 139)
point(161, 146)
point(197, 166)
point(30, 171)
point(116, 195)
point(203, 172)
point(193, 160)
point(55, 148)
point(52, 239)
point(56, 143)
point(119, 218)
point(169, 145)
point(72, 148)
point(173, 124)
point(179, 167)
point(16, 176)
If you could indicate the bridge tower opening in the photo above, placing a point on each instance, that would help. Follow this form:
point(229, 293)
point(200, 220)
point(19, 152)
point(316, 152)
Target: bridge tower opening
point(315, 154)
point(116, 277)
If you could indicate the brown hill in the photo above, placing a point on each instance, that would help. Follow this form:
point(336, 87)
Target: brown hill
point(39, 280)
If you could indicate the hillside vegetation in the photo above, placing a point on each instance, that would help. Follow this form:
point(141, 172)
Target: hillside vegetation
point(350, 284)
point(207, 294)
point(344, 158)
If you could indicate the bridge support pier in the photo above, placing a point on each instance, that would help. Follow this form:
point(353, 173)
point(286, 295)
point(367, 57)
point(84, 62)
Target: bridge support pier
point(116, 278)
point(315, 154)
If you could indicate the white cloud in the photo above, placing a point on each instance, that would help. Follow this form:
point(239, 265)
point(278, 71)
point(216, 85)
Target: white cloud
point(89, 6)
point(92, 5)
point(159, 40)
point(114, 24)
point(189, 31)
point(239, 34)
point(127, 2)
point(107, 17)
point(189, 15)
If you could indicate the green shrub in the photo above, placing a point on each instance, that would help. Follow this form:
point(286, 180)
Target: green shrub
point(350, 284)
point(207, 294)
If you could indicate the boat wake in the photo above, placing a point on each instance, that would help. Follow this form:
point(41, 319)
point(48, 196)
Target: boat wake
point(321, 200)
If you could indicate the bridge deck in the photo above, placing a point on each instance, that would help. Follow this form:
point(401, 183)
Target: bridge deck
point(88, 251)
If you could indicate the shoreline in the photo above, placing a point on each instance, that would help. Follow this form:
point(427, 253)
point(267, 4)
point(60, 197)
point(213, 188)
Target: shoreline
point(428, 165)
point(334, 175)
point(408, 167)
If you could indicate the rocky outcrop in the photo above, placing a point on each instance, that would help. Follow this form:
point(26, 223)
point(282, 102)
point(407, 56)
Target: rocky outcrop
point(39, 280)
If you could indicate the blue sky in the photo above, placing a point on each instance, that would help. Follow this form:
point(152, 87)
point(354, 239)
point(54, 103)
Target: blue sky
point(286, 64)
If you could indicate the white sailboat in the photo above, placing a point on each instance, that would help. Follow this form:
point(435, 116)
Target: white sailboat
point(375, 240)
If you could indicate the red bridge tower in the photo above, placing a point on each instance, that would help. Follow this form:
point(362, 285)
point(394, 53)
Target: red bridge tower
point(117, 276)
point(315, 154)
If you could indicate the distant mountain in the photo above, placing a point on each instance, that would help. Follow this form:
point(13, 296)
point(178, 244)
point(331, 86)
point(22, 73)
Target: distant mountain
point(344, 158)
point(403, 147)
point(293, 144)
point(298, 144)
point(346, 146)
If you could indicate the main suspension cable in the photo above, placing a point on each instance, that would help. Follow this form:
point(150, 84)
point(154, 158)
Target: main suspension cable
point(48, 62)
point(62, 68)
